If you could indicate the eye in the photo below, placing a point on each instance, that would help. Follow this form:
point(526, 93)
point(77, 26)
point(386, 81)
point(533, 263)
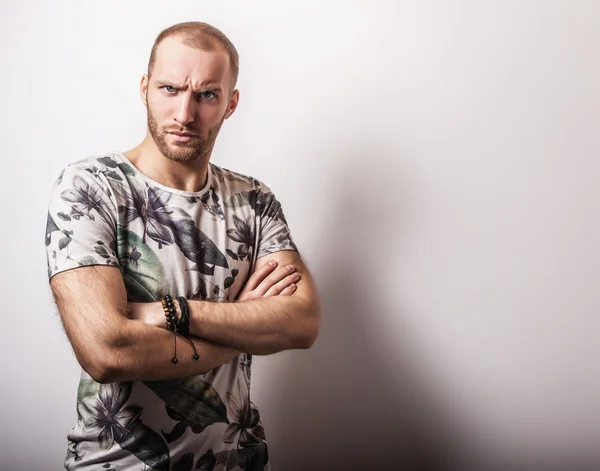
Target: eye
point(169, 88)
point(207, 95)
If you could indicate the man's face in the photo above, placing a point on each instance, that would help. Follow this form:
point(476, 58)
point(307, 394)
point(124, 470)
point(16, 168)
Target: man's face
point(188, 98)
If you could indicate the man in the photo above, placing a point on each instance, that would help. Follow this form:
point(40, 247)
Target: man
point(160, 220)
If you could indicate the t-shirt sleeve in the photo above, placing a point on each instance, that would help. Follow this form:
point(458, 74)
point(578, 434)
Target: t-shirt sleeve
point(81, 224)
point(273, 231)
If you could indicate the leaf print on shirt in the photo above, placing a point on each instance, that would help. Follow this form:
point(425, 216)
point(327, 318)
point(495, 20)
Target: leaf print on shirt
point(185, 463)
point(211, 204)
point(110, 170)
point(263, 203)
point(160, 226)
point(85, 199)
point(87, 387)
point(158, 218)
point(98, 172)
point(111, 421)
point(181, 426)
point(267, 206)
point(60, 177)
point(135, 206)
point(145, 444)
point(63, 243)
point(226, 459)
point(192, 401)
point(223, 175)
point(246, 425)
point(101, 249)
point(104, 412)
point(201, 293)
point(246, 365)
point(150, 204)
point(244, 420)
point(108, 162)
point(207, 461)
point(112, 163)
point(244, 233)
point(143, 272)
point(253, 458)
point(230, 280)
point(198, 247)
point(241, 199)
point(50, 228)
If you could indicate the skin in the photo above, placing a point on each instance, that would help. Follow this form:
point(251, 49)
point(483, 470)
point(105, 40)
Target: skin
point(190, 91)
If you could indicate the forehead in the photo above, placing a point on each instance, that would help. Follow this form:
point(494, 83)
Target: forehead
point(178, 62)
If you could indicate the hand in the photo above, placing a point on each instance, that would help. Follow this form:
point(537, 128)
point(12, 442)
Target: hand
point(270, 280)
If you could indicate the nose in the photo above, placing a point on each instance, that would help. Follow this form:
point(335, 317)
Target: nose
point(185, 111)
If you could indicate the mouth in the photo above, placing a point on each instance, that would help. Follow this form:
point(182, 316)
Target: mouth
point(183, 136)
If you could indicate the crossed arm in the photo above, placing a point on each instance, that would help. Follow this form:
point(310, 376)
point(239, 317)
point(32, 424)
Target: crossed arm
point(274, 312)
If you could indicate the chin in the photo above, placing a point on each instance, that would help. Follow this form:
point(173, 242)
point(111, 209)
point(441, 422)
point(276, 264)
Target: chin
point(183, 154)
point(182, 157)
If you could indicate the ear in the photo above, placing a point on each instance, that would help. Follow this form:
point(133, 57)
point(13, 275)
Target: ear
point(144, 89)
point(233, 103)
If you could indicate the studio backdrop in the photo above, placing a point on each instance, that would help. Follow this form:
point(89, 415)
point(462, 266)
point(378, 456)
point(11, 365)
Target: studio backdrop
point(438, 166)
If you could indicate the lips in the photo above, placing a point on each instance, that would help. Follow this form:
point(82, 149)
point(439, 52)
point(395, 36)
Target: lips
point(183, 137)
point(182, 134)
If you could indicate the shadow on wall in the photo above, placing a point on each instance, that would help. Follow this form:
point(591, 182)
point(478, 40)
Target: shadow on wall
point(345, 404)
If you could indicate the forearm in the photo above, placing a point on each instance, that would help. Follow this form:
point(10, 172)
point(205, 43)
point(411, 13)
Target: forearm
point(269, 316)
point(143, 352)
point(259, 326)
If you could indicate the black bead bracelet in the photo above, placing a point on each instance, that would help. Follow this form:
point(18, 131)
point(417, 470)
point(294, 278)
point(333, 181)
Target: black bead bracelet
point(171, 316)
point(181, 326)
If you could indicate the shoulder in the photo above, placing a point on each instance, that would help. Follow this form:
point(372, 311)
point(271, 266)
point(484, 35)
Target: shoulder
point(109, 160)
point(105, 171)
point(110, 164)
point(237, 182)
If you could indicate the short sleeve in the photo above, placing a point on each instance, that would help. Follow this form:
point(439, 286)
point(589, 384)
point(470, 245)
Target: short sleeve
point(81, 224)
point(273, 231)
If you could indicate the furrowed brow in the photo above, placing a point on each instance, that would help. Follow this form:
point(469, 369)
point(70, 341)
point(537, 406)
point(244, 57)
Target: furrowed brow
point(170, 84)
point(207, 86)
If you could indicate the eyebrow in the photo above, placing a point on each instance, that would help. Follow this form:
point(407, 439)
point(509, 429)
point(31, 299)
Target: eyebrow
point(204, 86)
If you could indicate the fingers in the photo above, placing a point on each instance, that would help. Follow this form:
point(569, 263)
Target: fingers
point(259, 275)
point(285, 283)
point(289, 290)
point(270, 279)
point(275, 277)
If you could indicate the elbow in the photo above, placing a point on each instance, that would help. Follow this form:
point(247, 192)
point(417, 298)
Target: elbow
point(310, 332)
point(311, 338)
point(307, 341)
point(102, 368)
point(103, 375)
point(102, 364)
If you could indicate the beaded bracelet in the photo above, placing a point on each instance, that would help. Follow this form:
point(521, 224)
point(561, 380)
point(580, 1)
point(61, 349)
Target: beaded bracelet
point(170, 312)
point(181, 326)
point(171, 316)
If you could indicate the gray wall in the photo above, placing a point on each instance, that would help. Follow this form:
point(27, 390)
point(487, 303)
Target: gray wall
point(438, 164)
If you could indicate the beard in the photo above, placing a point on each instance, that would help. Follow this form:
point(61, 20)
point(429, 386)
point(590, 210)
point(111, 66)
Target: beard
point(183, 152)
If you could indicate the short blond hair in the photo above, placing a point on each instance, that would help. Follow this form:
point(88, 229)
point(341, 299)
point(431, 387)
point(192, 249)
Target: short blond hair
point(199, 35)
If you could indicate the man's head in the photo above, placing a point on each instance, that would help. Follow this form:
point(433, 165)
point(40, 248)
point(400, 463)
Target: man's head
point(189, 89)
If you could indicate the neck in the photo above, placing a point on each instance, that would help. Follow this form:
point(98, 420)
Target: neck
point(185, 176)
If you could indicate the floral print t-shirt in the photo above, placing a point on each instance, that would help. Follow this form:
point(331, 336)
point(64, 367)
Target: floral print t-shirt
point(201, 245)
